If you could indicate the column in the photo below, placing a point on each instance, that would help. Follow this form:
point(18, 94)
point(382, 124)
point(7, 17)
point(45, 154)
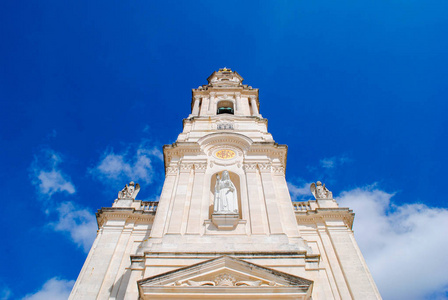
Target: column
point(165, 201)
point(358, 277)
point(258, 220)
point(211, 104)
point(177, 209)
point(95, 269)
point(274, 217)
point(114, 266)
point(335, 270)
point(237, 104)
point(194, 216)
point(204, 106)
point(197, 100)
point(132, 275)
point(289, 221)
point(253, 103)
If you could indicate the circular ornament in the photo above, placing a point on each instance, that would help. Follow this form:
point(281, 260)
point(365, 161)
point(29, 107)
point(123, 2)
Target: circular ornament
point(225, 154)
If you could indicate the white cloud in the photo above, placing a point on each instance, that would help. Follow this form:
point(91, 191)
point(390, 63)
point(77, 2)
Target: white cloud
point(124, 166)
point(53, 181)
point(46, 175)
point(79, 223)
point(54, 289)
point(5, 293)
point(333, 162)
point(301, 192)
point(405, 245)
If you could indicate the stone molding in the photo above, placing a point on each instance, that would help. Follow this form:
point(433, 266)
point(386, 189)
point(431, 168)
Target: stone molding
point(200, 167)
point(264, 167)
point(131, 215)
point(172, 170)
point(278, 169)
point(250, 167)
point(185, 167)
point(221, 275)
point(322, 215)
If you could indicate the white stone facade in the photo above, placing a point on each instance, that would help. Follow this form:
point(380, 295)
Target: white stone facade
point(267, 248)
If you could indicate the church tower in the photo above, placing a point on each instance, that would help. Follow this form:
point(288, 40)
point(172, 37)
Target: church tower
point(225, 226)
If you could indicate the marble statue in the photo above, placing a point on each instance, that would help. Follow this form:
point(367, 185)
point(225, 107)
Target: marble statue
point(320, 191)
point(129, 191)
point(226, 201)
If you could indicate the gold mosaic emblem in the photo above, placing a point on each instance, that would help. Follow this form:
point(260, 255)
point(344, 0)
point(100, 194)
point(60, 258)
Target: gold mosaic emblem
point(225, 154)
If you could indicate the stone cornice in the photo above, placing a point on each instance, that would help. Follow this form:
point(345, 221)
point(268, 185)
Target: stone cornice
point(127, 214)
point(239, 254)
point(321, 215)
point(216, 119)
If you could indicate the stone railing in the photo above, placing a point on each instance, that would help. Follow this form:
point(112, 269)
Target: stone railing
point(149, 206)
point(304, 205)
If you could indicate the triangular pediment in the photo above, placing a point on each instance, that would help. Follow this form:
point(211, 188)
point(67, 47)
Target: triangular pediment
point(225, 277)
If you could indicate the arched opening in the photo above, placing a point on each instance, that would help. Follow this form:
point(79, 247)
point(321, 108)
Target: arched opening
point(225, 107)
point(235, 180)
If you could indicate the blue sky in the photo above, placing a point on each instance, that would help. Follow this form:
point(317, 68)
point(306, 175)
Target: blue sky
point(90, 92)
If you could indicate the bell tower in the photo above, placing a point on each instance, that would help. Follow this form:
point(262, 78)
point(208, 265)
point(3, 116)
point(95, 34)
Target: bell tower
point(225, 226)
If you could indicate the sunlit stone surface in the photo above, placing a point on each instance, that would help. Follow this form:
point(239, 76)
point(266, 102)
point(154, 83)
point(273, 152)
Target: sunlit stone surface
point(253, 244)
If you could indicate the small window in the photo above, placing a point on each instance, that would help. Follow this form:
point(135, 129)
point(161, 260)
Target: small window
point(225, 107)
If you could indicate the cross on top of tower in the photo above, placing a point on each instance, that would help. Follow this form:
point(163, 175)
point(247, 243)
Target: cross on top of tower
point(225, 77)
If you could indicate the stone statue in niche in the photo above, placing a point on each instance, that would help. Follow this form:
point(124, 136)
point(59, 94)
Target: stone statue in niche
point(129, 191)
point(226, 201)
point(320, 191)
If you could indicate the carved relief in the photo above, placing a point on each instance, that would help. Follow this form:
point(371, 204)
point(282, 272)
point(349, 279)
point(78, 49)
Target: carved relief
point(224, 126)
point(225, 280)
point(264, 167)
point(250, 166)
point(172, 170)
point(278, 169)
point(200, 167)
point(186, 167)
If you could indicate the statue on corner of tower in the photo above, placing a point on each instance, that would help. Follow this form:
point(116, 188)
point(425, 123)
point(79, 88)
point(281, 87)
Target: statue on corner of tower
point(320, 191)
point(129, 191)
point(226, 201)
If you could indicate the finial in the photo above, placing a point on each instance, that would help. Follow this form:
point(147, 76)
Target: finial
point(225, 70)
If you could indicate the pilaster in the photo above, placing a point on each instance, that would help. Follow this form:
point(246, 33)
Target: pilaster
point(275, 221)
point(194, 215)
point(175, 222)
point(165, 201)
point(258, 220)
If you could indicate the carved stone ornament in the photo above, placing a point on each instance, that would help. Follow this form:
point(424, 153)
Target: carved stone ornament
point(225, 154)
point(320, 191)
point(129, 191)
point(264, 167)
point(225, 280)
point(224, 126)
point(200, 166)
point(172, 170)
point(250, 166)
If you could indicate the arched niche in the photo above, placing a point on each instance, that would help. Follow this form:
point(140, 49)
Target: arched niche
point(235, 178)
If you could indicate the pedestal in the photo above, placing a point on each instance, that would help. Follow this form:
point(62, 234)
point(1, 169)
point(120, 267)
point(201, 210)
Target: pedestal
point(225, 221)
